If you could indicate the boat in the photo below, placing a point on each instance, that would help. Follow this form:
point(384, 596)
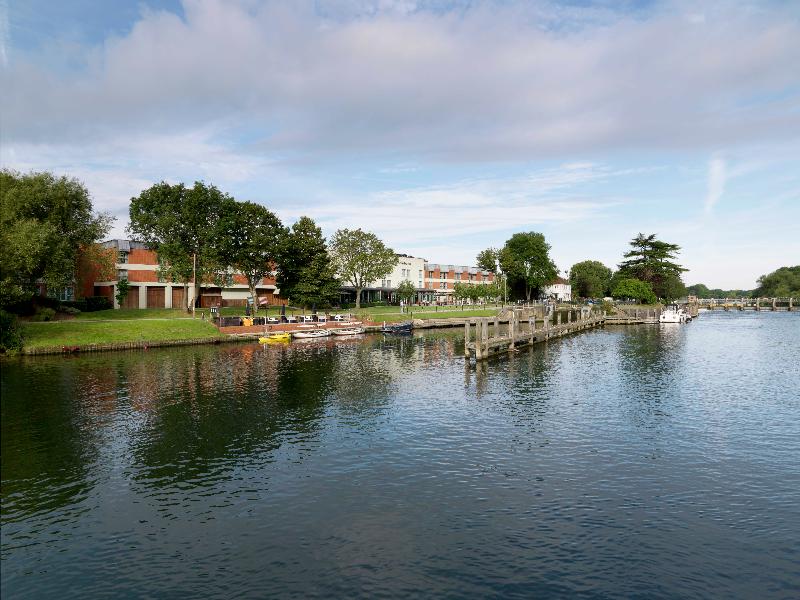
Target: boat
point(275, 338)
point(348, 331)
point(310, 335)
point(404, 327)
point(673, 314)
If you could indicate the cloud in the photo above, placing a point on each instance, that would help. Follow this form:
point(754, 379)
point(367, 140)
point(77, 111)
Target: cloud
point(476, 82)
point(716, 182)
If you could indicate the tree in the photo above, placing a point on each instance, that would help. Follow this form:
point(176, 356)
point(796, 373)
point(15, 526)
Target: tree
point(651, 260)
point(182, 225)
point(123, 289)
point(45, 221)
point(487, 259)
point(590, 279)
point(461, 291)
point(780, 283)
point(360, 258)
point(250, 238)
point(406, 290)
point(525, 259)
point(305, 273)
point(634, 289)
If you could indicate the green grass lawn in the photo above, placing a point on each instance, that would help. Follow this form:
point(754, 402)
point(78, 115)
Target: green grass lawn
point(79, 333)
point(169, 313)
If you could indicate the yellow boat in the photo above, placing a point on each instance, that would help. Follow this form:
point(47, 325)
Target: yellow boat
point(275, 338)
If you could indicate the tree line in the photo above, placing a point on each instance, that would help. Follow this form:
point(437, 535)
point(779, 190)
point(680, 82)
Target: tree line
point(648, 271)
point(781, 283)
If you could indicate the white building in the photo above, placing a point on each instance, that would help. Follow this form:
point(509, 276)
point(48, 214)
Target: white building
point(408, 268)
point(560, 289)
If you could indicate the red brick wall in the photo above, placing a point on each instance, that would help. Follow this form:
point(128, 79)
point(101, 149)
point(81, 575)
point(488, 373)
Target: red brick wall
point(135, 276)
point(139, 256)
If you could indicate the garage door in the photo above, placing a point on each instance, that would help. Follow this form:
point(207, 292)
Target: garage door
point(132, 299)
point(155, 297)
point(177, 298)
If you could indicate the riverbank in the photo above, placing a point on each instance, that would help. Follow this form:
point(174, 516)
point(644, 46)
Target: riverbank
point(64, 336)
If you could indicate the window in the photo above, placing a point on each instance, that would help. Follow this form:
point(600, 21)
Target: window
point(388, 283)
point(123, 257)
point(122, 274)
point(383, 283)
point(432, 275)
point(443, 286)
point(419, 283)
point(67, 294)
point(442, 275)
point(420, 274)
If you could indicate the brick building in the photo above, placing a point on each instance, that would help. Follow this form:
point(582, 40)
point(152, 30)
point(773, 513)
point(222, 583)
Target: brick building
point(139, 265)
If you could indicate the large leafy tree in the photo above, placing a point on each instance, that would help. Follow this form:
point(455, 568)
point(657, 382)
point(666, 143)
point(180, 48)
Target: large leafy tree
point(590, 279)
point(487, 259)
point(360, 258)
point(305, 274)
point(250, 240)
point(780, 283)
point(183, 225)
point(634, 289)
point(525, 258)
point(652, 260)
point(45, 222)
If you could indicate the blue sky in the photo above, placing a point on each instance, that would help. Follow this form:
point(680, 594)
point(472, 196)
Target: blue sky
point(444, 127)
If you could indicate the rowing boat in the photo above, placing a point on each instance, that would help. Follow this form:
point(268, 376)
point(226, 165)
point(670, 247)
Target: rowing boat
point(348, 331)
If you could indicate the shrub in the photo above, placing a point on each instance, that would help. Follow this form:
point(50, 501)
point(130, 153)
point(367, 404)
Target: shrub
point(10, 332)
point(44, 314)
point(69, 310)
point(95, 303)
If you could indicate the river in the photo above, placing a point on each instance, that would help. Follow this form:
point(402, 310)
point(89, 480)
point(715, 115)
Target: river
point(640, 461)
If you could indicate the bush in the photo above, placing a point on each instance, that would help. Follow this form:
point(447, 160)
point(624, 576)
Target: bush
point(69, 310)
point(10, 332)
point(44, 314)
point(95, 303)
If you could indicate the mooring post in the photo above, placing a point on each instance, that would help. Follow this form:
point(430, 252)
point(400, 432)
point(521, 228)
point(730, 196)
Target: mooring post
point(558, 319)
point(790, 304)
point(774, 303)
point(486, 337)
point(512, 326)
point(758, 301)
point(466, 339)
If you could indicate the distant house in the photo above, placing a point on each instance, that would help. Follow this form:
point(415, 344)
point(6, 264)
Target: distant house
point(558, 289)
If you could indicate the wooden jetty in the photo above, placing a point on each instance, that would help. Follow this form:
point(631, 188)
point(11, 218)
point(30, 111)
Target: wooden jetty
point(520, 332)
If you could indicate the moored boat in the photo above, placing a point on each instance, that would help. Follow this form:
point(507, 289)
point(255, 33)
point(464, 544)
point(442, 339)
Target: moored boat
point(348, 331)
point(404, 327)
point(275, 338)
point(310, 335)
point(673, 314)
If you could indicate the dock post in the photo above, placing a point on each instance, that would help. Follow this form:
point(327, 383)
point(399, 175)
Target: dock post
point(558, 319)
point(758, 301)
point(790, 304)
point(774, 303)
point(466, 339)
point(512, 327)
point(485, 337)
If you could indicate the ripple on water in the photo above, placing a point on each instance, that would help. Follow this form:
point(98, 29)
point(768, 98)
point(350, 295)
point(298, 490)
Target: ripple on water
point(639, 461)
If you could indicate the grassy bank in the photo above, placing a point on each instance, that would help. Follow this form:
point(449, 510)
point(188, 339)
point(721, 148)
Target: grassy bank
point(82, 333)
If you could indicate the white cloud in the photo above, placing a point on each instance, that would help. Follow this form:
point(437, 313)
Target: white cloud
point(483, 81)
point(716, 182)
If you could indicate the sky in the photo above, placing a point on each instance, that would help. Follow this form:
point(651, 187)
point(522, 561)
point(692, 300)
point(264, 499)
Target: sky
point(442, 126)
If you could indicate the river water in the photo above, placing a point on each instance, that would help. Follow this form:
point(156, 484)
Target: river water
point(646, 461)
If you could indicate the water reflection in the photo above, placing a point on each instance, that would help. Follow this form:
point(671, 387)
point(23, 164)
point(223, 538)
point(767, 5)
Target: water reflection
point(389, 466)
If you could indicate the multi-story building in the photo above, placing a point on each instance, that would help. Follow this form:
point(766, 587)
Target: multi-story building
point(440, 280)
point(408, 268)
point(139, 265)
point(559, 289)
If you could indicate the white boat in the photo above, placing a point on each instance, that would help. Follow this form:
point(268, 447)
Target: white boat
point(673, 314)
point(310, 335)
point(348, 331)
